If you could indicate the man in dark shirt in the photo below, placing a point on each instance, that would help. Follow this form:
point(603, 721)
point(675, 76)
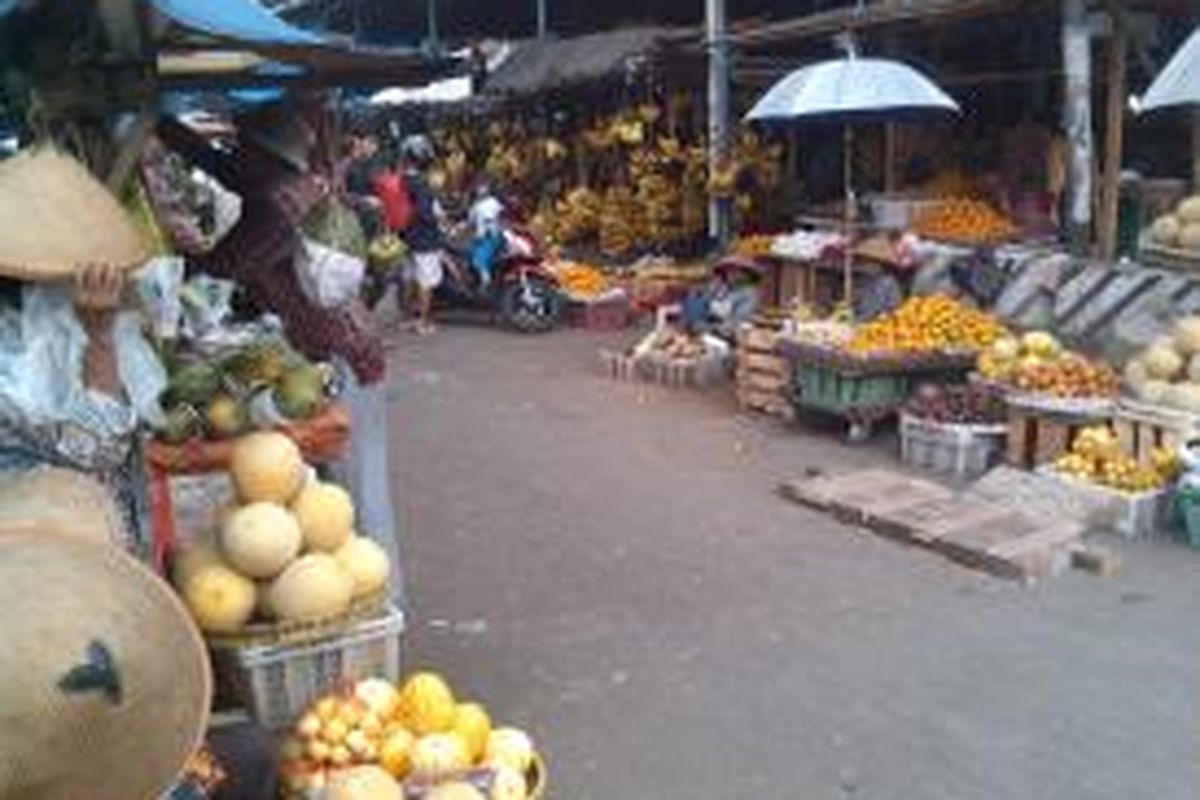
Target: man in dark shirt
point(424, 233)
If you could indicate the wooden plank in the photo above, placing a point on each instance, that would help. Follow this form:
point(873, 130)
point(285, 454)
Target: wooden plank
point(773, 364)
point(1057, 535)
point(1127, 434)
point(1119, 292)
point(1053, 439)
point(1118, 50)
point(763, 383)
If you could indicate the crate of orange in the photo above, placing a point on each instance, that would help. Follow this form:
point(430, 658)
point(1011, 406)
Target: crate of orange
point(965, 221)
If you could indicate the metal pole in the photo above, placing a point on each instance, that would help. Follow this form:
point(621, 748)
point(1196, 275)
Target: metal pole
point(1077, 123)
point(431, 20)
point(718, 113)
point(542, 19)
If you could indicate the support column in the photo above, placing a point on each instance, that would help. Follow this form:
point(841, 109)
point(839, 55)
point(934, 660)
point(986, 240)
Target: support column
point(543, 20)
point(1077, 124)
point(1114, 134)
point(719, 123)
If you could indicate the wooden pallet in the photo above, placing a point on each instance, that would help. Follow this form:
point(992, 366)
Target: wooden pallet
point(763, 377)
point(983, 534)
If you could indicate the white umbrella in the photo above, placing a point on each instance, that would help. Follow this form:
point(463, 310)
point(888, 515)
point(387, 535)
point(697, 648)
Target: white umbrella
point(849, 90)
point(1179, 82)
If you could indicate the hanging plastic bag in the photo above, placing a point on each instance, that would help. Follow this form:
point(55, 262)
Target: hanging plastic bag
point(330, 278)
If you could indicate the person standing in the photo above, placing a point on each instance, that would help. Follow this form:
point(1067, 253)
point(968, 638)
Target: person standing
point(424, 233)
point(270, 169)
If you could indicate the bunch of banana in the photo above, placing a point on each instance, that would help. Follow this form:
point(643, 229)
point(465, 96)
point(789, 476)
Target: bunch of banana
point(618, 221)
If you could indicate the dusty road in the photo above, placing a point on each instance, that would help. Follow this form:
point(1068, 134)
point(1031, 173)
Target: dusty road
point(608, 566)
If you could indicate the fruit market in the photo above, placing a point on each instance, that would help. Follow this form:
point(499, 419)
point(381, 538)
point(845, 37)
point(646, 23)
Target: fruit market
point(963, 274)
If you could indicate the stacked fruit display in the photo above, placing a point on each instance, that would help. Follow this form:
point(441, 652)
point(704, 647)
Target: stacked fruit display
point(212, 399)
point(285, 552)
point(417, 741)
point(1037, 364)
point(927, 324)
point(581, 281)
point(1168, 372)
point(960, 405)
point(755, 245)
point(1096, 456)
point(964, 220)
point(1179, 230)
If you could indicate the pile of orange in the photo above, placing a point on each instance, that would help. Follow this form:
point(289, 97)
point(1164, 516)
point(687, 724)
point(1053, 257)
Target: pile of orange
point(964, 220)
point(925, 324)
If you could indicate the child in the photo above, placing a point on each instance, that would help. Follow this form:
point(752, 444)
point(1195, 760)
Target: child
point(488, 236)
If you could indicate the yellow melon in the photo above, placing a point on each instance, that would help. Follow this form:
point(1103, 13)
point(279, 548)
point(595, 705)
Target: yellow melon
point(395, 754)
point(190, 557)
point(362, 783)
point(367, 564)
point(267, 466)
point(427, 704)
point(508, 784)
point(472, 723)
point(326, 515)
point(221, 600)
point(439, 755)
point(510, 747)
point(260, 539)
point(312, 587)
point(380, 696)
point(455, 790)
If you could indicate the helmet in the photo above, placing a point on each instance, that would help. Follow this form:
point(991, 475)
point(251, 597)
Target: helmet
point(417, 149)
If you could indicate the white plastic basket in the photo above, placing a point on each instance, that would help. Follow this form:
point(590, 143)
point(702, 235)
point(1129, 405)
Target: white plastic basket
point(276, 683)
point(1140, 515)
point(961, 450)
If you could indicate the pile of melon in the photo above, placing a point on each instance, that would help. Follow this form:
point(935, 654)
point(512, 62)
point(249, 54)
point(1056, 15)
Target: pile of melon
point(374, 741)
point(1167, 373)
point(285, 551)
point(1180, 229)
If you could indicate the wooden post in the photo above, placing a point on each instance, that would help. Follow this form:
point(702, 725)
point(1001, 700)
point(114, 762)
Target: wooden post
point(1196, 150)
point(1114, 134)
point(719, 122)
point(1077, 123)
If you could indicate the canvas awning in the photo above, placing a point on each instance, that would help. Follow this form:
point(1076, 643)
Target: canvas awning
point(243, 21)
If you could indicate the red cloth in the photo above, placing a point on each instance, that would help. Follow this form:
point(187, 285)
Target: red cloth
point(390, 188)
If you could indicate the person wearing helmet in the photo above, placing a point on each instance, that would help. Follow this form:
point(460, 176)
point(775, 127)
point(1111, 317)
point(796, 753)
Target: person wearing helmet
point(424, 234)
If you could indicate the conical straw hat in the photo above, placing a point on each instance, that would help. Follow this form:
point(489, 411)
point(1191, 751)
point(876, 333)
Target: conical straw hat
point(61, 501)
point(104, 681)
point(56, 216)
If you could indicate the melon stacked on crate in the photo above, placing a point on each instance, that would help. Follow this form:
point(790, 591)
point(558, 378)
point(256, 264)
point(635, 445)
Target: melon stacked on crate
point(763, 376)
point(290, 598)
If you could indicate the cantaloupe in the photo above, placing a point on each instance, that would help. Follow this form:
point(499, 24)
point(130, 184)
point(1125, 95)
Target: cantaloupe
point(1186, 336)
point(312, 587)
point(1153, 392)
point(510, 747)
point(260, 539)
point(1162, 362)
point(326, 515)
point(362, 783)
point(220, 600)
point(1189, 236)
point(381, 696)
point(267, 466)
point(367, 564)
point(472, 723)
point(192, 556)
point(1189, 209)
point(439, 755)
point(395, 753)
point(426, 704)
point(1165, 230)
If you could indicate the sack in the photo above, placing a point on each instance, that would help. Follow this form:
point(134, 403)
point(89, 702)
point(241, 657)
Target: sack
point(330, 278)
point(399, 210)
point(334, 225)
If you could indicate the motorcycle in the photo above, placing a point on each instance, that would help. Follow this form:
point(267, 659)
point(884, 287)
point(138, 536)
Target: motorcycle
point(522, 292)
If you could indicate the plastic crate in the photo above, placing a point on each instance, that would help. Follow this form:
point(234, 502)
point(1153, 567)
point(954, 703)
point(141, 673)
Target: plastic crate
point(1134, 516)
point(828, 389)
point(276, 683)
point(961, 450)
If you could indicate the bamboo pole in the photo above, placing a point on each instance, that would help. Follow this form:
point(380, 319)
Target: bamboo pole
point(1114, 135)
point(1077, 123)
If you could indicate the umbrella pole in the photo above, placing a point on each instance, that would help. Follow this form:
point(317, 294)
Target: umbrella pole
point(848, 217)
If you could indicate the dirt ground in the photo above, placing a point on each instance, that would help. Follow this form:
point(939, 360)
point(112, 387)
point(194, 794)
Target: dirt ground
point(608, 566)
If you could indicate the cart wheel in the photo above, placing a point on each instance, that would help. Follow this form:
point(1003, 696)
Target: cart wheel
point(858, 432)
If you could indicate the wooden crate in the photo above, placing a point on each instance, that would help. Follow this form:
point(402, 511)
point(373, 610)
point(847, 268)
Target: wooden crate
point(763, 377)
point(1037, 437)
point(1141, 428)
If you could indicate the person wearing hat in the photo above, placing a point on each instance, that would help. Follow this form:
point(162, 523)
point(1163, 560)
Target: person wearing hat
point(728, 300)
point(269, 168)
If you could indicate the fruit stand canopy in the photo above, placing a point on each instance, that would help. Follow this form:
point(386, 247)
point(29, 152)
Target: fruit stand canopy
point(238, 20)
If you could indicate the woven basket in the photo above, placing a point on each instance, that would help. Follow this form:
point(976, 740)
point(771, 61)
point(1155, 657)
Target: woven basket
point(274, 634)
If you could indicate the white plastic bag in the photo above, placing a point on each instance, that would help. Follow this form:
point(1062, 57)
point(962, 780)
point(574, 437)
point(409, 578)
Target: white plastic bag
point(329, 277)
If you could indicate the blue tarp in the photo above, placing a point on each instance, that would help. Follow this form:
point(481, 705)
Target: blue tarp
point(240, 20)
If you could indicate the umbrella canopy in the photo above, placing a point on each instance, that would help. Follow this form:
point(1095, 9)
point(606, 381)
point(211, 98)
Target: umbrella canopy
point(849, 89)
point(1179, 82)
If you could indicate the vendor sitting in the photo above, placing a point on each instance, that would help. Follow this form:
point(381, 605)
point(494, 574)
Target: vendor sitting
point(730, 299)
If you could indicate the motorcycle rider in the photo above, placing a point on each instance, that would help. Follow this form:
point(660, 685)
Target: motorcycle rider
point(424, 234)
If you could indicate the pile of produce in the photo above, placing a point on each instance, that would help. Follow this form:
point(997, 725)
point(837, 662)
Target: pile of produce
point(806, 325)
point(1179, 230)
point(581, 281)
point(754, 245)
point(674, 344)
point(1167, 373)
point(1037, 363)
point(375, 741)
point(212, 398)
point(924, 324)
point(285, 551)
point(964, 220)
point(959, 405)
point(1096, 456)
